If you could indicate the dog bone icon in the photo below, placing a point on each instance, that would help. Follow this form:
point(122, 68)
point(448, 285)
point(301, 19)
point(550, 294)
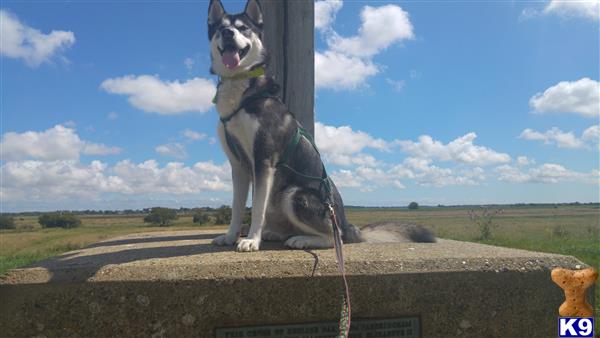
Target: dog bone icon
point(575, 283)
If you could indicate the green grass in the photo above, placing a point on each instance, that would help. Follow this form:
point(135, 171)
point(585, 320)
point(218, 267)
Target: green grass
point(8, 262)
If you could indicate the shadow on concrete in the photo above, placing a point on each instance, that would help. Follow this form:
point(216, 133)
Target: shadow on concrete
point(151, 239)
point(74, 267)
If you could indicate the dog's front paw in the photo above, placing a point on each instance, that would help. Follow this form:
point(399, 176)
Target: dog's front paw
point(247, 245)
point(225, 239)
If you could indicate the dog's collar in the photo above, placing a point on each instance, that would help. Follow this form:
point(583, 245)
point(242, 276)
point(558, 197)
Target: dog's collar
point(254, 73)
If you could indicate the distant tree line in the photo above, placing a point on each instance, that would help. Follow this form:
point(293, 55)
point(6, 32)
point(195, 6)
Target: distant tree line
point(192, 211)
point(180, 211)
point(472, 206)
point(159, 216)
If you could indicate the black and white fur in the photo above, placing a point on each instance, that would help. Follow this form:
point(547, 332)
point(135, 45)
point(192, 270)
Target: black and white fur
point(285, 206)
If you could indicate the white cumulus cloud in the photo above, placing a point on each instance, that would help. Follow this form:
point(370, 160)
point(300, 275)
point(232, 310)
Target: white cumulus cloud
point(56, 143)
point(562, 139)
point(524, 161)
point(574, 8)
point(20, 41)
point(419, 170)
point(347, 64)
point(99, 149)
point(151, 94)
point(173, 178)
point(591, 134)
point(344, 146)
point(325, 11)
point(545, 173)
point(341, 72)
point(381, 27)
point(40, 180)
point(425, 173)
point(346, 179)
point(461, 150)
point(580, 97)
point(553, 136)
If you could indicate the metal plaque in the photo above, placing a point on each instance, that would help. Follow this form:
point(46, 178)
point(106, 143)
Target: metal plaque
point(404, 327)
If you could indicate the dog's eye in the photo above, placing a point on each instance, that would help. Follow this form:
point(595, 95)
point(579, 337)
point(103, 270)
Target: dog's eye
point(243, 28)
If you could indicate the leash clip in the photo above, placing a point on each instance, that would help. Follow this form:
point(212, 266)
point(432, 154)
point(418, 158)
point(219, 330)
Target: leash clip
point(330, 207)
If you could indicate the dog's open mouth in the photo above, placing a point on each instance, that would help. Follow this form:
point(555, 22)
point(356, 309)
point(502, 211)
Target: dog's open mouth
point(231, 56)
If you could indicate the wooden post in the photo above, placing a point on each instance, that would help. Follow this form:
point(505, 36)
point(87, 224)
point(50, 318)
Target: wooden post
point(289, 37)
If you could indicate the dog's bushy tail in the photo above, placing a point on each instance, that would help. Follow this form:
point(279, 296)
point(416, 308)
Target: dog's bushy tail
point(394, 232)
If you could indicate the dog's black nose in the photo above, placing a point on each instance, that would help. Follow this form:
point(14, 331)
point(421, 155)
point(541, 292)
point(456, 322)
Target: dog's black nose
point(227, 33)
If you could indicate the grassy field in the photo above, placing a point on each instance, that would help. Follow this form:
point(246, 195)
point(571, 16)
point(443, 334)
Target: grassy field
point(570, 230)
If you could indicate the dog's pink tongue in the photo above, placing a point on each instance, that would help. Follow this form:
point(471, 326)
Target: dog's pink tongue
point(230, 59)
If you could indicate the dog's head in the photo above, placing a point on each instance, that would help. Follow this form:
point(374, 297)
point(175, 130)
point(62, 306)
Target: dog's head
point(235, 40)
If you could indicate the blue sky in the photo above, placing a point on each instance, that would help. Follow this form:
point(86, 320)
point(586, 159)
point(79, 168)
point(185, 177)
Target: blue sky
point(107, 105)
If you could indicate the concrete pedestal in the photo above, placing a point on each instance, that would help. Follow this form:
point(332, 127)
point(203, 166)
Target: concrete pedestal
point(176, 284)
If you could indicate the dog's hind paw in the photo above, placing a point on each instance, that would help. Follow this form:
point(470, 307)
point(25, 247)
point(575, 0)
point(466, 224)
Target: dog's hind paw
point(247, 245)
point(224, 239)
point(308, 242)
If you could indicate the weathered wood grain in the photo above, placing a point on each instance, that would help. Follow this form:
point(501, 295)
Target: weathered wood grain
point(289, 37)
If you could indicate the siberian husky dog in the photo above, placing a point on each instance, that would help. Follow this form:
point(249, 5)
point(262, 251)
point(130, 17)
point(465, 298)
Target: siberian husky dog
point(268, 149)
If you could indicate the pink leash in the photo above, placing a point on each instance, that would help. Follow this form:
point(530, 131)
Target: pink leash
point(346, 312)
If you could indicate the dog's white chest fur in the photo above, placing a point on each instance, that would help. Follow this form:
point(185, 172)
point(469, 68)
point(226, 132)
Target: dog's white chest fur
point(242, 126)
point(229, 96)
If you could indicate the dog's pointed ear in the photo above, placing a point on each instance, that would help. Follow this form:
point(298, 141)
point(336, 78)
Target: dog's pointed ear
point(253, 12)
point(215, 12)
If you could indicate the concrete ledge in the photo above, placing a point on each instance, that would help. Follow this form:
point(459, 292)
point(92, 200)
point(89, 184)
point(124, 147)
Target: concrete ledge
point(174, 284)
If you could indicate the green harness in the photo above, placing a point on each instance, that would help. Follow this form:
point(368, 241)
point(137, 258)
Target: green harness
point(323, 180)
point(300, 133)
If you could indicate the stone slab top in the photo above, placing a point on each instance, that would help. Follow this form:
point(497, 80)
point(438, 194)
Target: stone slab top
point(189, 255)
